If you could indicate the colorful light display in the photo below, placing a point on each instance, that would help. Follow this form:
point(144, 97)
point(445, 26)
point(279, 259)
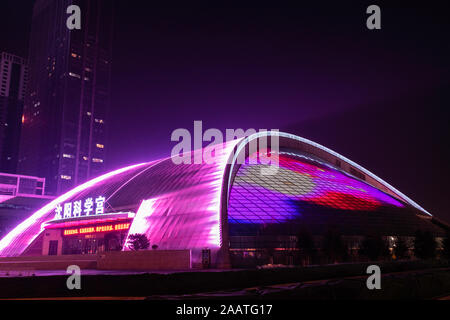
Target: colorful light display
point(259, 198)
point(313, 145)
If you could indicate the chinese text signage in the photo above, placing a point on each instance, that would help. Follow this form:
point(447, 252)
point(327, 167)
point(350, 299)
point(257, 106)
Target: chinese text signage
point(80, 208)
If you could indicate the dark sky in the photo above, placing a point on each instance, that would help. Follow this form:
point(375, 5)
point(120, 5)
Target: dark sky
point(381, 97)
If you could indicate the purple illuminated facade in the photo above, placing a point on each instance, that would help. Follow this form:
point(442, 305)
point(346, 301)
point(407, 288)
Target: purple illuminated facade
point(224, 206)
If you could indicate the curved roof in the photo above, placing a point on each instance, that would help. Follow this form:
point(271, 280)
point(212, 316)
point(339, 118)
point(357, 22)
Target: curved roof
point(299, 143)
point(180, 205)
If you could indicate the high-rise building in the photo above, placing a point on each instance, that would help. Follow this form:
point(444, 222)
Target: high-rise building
point(13, 80)
point(64, 126)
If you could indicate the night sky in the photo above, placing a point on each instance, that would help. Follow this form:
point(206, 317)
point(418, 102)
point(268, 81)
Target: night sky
point(380, 98)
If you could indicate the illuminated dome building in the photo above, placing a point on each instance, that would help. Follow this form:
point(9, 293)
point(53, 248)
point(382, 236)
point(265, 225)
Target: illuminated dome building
point(236, 211)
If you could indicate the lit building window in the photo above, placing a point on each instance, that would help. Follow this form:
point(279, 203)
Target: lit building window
point(64, 177)
point(100, 146)
point(89, 114)
point(85, 158)
point(97, 160)
point(74, 55)
point(70, 156)
point(99, 120)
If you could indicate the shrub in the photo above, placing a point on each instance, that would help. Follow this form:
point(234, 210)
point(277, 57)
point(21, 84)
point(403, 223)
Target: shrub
point(424, 245)
point(401, 248)
point(138, 241)
point(446, 247)
point(374, 247)
point(333, 246)
point(305, 244)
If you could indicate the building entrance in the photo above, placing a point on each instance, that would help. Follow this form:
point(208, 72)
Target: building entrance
point(93, 244)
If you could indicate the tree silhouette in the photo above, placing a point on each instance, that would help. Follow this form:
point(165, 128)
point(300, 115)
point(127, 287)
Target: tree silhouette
point(305, 244)
point(138, 241)
point(401, 248)
point(333, 247)
point(374, 247)
point(446, 246)
point(424, 245)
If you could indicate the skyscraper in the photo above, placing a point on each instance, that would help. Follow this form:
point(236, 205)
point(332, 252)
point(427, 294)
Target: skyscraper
point(13, 79)
point(64, 127)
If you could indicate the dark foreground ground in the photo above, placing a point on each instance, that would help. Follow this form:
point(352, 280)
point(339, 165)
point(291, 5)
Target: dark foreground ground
point(400, 280)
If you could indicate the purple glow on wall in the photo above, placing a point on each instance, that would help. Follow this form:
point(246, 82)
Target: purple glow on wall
point(188, 218)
